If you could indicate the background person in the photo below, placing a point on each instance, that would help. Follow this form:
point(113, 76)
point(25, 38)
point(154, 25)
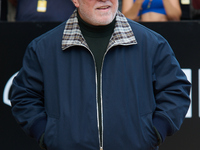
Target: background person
point(43, 10)
point(152, 10)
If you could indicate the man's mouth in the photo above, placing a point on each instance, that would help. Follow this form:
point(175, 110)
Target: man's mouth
point(103, 7)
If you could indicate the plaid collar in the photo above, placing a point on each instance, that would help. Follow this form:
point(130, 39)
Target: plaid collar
point(122, 35)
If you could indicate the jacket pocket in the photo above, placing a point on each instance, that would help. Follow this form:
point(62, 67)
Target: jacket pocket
point(50, 134)
point(148, 130)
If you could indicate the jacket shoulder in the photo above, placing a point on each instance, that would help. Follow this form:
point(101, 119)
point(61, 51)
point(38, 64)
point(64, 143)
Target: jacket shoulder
point(142, 32)
point(52, 35)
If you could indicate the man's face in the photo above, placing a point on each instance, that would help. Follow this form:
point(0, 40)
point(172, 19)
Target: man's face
point(97, 12)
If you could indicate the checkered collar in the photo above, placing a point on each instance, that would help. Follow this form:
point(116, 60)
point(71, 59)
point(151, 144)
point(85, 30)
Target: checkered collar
point(122, 35)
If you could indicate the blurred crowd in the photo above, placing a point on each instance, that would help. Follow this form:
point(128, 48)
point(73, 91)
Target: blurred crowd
point(138, 10)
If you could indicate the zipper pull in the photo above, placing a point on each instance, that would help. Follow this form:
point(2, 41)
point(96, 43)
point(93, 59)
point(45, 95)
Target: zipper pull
point(101, 148)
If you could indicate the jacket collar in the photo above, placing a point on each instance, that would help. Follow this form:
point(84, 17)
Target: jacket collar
point(122, 35)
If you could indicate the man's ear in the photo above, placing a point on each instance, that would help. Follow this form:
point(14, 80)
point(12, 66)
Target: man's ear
point(76, 3)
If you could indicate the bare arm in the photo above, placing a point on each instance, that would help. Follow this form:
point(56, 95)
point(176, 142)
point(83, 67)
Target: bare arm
point(173, 9)
point(131, 9)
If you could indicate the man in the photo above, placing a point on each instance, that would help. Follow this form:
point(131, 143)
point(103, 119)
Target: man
point(113, 84)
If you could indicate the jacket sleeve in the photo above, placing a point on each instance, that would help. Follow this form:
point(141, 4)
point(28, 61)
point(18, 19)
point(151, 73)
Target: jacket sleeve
point(27, 97)
point(171, 89)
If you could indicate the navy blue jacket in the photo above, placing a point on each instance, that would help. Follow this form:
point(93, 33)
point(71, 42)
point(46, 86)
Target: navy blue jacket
point(145, 94)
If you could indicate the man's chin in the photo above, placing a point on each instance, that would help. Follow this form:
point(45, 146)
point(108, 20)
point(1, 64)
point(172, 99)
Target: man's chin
point(104, 21)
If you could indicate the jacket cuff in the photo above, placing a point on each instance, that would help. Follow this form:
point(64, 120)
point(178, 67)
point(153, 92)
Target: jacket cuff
point(38, 128)
point(162, 125)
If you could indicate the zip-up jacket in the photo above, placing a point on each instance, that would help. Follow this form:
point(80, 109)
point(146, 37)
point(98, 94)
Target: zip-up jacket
point(144, 92)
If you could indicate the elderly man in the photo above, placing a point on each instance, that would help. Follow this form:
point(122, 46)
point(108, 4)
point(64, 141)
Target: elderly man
point(100, 81)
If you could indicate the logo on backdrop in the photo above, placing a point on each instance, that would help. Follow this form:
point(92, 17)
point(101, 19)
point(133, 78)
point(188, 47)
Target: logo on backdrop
point(188, 73)
point(6, 91)
point(6, 100)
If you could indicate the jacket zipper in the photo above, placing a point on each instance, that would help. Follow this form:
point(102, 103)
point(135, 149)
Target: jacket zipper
point(101, 99)
point(99, 119)
point(99, 107)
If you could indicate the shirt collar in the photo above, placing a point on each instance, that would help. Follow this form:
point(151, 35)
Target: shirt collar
point(122, 35)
